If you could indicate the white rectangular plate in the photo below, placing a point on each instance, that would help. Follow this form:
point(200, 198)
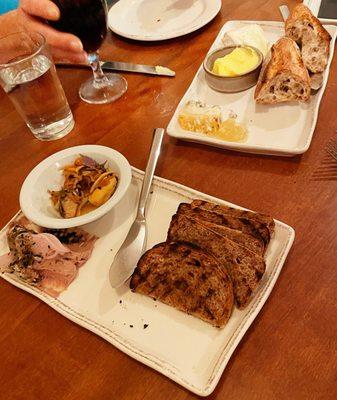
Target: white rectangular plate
point(281, 129)
point(314, 6)
point(184, 348)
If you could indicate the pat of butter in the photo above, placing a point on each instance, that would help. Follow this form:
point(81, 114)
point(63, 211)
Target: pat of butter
point(250, 35)
point(237, 62)
point(164, 70)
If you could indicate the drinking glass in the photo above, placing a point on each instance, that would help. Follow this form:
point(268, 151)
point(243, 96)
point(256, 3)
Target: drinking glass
point(87, 19)
point(28, 76)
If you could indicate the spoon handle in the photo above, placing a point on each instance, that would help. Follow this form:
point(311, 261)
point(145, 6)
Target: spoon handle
point(149, 171)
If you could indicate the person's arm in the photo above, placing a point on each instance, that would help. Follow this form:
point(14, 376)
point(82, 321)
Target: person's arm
point(29, 16)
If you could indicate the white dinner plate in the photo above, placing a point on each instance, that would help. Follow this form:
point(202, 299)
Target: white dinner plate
point(187, 350)
point(314, 6)
point(282, 129)
point(160, 19)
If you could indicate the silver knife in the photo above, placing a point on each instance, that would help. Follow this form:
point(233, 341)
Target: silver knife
point(126, 67)
point(134, 245)
point(284, 10)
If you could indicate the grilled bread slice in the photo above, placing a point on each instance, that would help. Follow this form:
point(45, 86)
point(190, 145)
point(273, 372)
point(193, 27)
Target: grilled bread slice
point(218, 223)
point(259, 225)
point(186, 278)
point(244, 266)
point(311, 36)
point(283, 76)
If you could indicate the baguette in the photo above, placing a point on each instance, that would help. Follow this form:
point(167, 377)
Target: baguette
point(283, 76)
point(186, 278)
point(311, 36)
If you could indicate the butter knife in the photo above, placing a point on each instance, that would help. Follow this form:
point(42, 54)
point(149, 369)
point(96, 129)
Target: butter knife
point(126, 67)
point(284, 10)
point(134, 245)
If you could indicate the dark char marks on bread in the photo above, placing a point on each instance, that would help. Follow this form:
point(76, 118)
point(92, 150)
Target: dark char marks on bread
point(220, 224)
point(245, 267)
point(259, 225)
point(187, 278)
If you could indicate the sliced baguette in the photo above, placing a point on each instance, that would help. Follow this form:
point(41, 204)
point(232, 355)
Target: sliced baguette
point(186, 278)
point(283, 76)
point(311, 36)
point(244, 266)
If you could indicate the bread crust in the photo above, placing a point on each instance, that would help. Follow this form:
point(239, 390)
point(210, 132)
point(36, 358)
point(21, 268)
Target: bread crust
point(303, 14)
point(284, 59)
point(259, 225)
point(221, 225)
point(303, 27)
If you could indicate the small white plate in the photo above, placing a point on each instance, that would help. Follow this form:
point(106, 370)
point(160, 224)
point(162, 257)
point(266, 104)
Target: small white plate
point(185, 349)
point(34, 197)
point(314, 6)
point(281, 129)
point(160, 19)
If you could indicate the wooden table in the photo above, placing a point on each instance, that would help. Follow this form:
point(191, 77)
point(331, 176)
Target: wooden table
point(290, 351)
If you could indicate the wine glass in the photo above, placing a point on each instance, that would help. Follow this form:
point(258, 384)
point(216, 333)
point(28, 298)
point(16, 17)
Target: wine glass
point(87, 19)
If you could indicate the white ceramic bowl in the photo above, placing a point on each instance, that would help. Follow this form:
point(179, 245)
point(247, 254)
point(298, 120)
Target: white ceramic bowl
point(34, 197)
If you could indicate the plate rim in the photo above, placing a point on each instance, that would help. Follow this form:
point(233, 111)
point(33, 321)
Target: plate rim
point(251, 148)
point(175, 34)
point(151, 360)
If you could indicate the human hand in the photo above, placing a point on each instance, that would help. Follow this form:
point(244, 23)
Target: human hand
point(64, 46)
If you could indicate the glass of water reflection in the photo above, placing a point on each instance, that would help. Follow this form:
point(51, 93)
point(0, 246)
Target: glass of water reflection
point(28, 76)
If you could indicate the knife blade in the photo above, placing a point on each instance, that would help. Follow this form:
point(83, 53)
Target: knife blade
point(134, 244)
point(126, 67)
point(284, 10)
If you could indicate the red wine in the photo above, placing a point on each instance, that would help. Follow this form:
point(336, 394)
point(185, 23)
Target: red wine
point(83, 18)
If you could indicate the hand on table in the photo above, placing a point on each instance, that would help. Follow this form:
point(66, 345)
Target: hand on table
point(64, 46)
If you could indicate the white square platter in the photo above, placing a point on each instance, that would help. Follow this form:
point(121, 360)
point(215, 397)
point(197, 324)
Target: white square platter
point(181, 347)
point(281, 129)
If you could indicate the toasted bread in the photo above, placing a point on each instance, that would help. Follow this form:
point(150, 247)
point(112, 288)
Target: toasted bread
point(259, 225)
point(245, 267)
point(186, 278)
point(219, 224)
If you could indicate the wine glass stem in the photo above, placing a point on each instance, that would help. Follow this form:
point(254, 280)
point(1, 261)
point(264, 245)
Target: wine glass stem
point(99, 77)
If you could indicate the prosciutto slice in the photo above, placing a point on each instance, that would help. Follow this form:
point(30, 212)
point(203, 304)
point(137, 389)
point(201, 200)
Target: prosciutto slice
point(41, 259)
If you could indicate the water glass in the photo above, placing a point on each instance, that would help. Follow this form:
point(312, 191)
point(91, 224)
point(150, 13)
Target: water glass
point(28, 76)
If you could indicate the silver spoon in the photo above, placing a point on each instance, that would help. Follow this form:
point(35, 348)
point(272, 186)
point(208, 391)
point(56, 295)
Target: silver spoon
point(134, 245)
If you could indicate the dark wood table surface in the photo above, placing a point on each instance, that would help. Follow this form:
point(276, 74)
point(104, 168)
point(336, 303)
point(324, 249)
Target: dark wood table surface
point(290, 351)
